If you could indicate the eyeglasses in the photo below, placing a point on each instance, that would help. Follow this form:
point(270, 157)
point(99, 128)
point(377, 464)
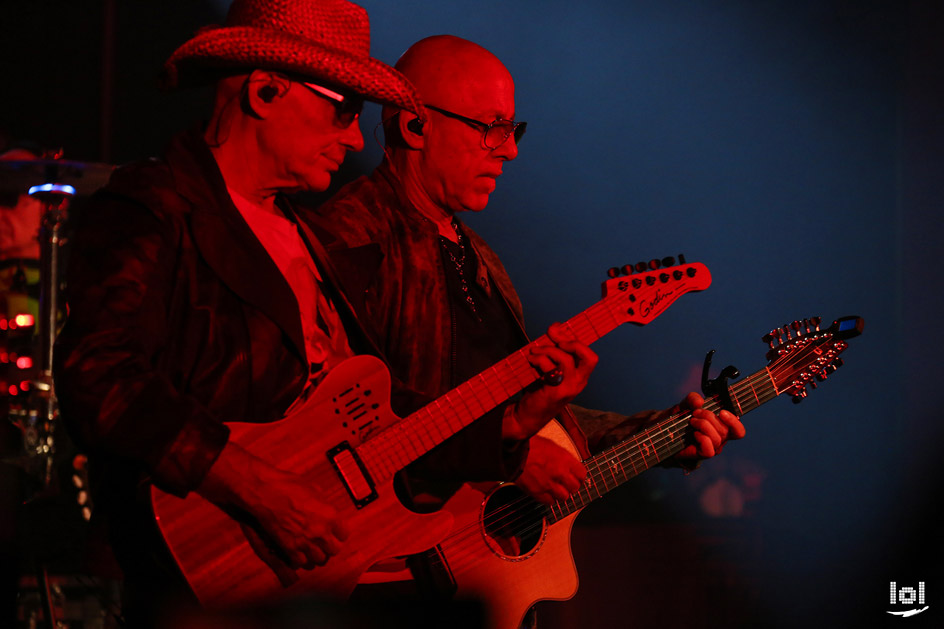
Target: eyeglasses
point(346, 108)
point(495, 133)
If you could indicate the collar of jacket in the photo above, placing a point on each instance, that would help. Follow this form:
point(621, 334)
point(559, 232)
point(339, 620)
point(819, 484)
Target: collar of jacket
point(226, 241)
point(488, 263)
point(487, 259)
point(385, 173)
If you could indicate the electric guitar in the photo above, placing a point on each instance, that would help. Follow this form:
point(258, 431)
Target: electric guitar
point(510, 551)
point(348, 442)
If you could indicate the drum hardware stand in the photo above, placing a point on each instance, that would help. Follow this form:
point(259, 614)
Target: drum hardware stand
point(42, 412)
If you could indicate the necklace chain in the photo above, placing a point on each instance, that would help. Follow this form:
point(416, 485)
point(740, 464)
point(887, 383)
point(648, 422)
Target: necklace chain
point(460, 266)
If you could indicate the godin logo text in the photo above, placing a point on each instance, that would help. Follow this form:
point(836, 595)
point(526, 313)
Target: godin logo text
point(913, 597)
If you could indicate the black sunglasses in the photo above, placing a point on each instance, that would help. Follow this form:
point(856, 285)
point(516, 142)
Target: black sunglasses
point(495, 133)
point(346, 108)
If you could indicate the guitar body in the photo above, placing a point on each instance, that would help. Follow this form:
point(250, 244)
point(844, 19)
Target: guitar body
point(509, 575)
point(209, 545)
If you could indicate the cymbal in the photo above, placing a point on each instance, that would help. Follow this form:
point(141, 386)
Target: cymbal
point(18, 176)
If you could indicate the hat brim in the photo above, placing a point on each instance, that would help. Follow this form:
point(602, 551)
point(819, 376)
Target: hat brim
point(248, 47)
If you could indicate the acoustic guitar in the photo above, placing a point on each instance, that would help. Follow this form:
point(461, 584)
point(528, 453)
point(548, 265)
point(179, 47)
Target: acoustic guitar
point(511, 551)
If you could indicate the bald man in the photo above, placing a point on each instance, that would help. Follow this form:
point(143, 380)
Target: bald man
point(436, 297)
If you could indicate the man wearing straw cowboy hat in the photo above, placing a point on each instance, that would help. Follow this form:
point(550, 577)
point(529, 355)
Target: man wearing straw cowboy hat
point(196, 299)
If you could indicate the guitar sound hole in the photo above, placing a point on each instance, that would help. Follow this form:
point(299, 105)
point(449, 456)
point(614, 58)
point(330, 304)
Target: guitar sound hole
point(514, 523)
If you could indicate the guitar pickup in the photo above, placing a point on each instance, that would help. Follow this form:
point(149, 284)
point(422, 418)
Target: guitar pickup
point(353, 474)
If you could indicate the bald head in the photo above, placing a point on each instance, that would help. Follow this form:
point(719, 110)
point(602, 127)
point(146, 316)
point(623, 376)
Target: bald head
point(449, 71)
point(445, 162)
point(457, 74)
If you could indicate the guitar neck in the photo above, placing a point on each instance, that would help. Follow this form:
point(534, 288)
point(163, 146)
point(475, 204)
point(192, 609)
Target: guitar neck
point(421, 431)
point(629, 458)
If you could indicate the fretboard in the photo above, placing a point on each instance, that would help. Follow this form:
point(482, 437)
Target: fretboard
point(616, 465)
point(416, 434)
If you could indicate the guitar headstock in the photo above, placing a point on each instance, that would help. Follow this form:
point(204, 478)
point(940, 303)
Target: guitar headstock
point(801, 354)
point(639, 293)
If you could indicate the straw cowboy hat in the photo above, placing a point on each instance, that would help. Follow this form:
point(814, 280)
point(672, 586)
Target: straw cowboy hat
point(327, 40)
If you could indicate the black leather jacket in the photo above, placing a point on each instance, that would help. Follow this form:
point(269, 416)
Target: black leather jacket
point(178, 320)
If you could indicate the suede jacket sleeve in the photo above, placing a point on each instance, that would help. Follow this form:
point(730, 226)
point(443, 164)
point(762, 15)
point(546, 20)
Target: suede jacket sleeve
point(111, 394)
point(178, 321)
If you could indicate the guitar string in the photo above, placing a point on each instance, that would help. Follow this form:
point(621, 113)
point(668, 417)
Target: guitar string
point(396, 451)
point(468, 541)
point(396, 455)
point(548, 509)
point(633, 444)
point(663, 447)
point(597, 477)
point(658, 435)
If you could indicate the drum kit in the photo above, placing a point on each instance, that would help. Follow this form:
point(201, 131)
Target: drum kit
point(37, 196)
point(30, 403)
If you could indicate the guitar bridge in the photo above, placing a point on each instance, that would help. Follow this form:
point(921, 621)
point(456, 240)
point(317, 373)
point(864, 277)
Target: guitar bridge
point(353, 474)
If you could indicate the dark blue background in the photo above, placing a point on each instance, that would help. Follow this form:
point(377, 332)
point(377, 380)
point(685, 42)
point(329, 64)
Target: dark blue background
point(793, 147)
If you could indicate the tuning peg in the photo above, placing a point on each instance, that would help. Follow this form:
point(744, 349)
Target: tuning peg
point(677, 274)
point(769, 338)
point(613, 272)
point(655, 264)
point(816, 321)
point(799, 395)
point(681, 259)
point(627, 269)
point(691, 271)
point(663, 277)
point(796, 328)
point(669, 261)
point(641, 266)
point(832, 367)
